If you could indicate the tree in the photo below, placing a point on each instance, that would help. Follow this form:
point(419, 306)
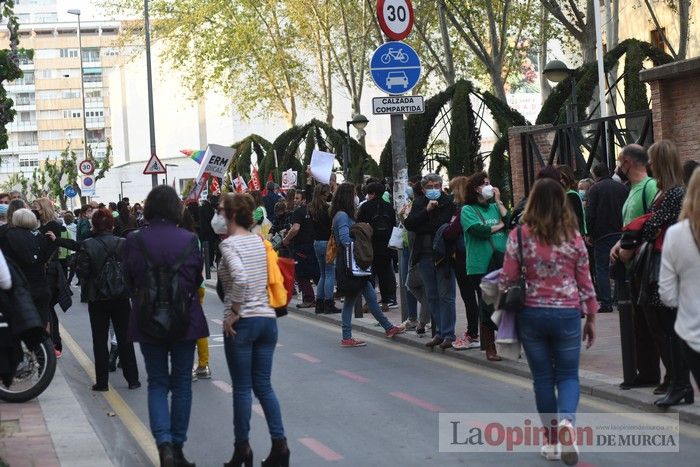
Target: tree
point(16, 181)
point(9, 67)
point(581, 26)
point(682, 8)
point(493, 31)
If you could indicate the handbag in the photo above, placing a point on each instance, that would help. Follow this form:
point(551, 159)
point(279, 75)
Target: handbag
point(348, 284)
point(397, 237)
point(644, 273)
point(331, 250)
point(514, 298)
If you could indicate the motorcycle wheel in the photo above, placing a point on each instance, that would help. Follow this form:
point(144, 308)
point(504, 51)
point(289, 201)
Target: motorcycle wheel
point(34, 374)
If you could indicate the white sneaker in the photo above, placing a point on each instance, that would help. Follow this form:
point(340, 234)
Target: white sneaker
point(567, 443)
point(410, 325)
point(466, 342)
point(550, 452)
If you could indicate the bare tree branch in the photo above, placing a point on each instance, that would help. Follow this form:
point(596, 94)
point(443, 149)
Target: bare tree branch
point(660, 30)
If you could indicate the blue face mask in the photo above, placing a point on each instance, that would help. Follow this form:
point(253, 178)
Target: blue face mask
point(409, 192)
point(432, 193)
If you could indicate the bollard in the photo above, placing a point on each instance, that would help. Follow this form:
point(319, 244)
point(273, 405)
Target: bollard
point(207, 260)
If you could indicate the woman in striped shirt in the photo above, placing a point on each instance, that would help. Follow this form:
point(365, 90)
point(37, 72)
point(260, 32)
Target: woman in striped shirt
point(250, 330)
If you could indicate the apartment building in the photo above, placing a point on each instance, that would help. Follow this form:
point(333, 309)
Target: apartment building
point(48, 98)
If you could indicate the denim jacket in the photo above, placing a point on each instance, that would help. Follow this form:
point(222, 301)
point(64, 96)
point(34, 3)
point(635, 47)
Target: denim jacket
point(341, 228)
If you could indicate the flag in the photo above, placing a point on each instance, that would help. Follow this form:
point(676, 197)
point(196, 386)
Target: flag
point(270, 178)
point(195, 155)
point(254, 180)
point(196, 190)
point(214, 187)
point(239, 184)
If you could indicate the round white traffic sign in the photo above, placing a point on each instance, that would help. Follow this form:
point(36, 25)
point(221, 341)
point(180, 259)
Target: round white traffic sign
point(86, 167)
point(395, 18)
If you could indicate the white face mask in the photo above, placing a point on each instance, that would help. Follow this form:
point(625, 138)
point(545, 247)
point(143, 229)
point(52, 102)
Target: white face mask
point(487, 192)
point(219, 224)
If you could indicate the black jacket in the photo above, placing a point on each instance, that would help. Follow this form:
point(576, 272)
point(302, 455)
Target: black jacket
point(206, 214)
point(425, 224)
point(370, 212)
point(604, 208)
point(91, 259)
point(270, 200)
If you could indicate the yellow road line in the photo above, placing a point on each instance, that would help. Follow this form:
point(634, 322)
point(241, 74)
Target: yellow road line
point(518, 381)
point(131, 421)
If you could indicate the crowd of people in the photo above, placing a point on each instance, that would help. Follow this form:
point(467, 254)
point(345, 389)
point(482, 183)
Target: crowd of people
point(573, 247)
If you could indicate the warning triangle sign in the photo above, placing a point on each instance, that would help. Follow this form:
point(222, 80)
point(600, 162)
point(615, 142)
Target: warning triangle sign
point(154, 166)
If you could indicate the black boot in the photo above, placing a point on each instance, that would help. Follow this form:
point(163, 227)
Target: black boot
point(675, 396)
point(329, 307)
point(166, 454)
point(319, 306)
point(180, 460)
point(279, 454)
point(242, 455)
point(113, 354)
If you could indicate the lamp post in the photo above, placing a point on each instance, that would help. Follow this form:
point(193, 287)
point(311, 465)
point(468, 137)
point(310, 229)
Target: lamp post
point(166, 171)
point(556, 71)
point(76, 12)
point(121, 189)
point(359, 122)
point(149, 82)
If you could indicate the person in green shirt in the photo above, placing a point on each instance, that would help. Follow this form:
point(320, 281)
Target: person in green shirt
point(483, 223)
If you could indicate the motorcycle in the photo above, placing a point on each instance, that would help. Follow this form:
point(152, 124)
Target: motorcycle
point(34, 373)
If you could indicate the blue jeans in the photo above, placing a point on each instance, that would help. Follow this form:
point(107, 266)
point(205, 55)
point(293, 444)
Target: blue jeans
point(169, 424)
point(551, 338)
point(601, 258)
point(326, 283)
point(249, 358)
point(371, 299)
point(440, 289)
point(411, 302)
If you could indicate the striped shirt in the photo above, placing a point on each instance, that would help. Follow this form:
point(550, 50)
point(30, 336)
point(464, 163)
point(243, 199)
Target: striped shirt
point(243, 274)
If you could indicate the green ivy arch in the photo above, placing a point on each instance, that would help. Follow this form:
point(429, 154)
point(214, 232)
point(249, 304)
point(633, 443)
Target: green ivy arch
point(464, 156)
point(635, 94)
point(319, 135)
point(244, 154)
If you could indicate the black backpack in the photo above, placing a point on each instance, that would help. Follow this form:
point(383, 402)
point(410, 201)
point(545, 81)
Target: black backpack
point(382, 225)
point(164, 313)
point(110, 280)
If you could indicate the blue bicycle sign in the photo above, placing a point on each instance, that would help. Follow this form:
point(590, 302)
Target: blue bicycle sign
point(395, 67)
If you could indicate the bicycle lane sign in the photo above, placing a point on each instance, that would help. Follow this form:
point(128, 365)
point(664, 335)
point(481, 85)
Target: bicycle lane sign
point(395, 67)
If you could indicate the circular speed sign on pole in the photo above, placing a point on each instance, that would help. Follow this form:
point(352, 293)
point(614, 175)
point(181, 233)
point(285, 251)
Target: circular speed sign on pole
point(395, 18)
point(86, 167)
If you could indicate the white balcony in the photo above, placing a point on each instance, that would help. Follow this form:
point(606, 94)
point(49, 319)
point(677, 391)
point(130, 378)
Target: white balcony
point(17, 126)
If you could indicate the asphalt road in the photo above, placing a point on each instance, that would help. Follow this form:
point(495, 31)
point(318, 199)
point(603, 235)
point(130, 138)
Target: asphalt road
point(371, 406)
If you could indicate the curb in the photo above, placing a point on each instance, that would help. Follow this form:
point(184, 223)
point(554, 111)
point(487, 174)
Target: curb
point(591, 384)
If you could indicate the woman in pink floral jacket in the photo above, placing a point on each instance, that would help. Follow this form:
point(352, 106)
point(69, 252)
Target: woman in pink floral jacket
point(558, 289)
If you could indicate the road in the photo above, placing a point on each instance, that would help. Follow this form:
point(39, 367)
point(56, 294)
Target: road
point(371, 406)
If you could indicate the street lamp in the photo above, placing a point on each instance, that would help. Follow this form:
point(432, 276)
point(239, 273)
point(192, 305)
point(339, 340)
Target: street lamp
point(359, 122)
point(556, 71)
point(76, 12)
point(121, 189)
point(166, 171)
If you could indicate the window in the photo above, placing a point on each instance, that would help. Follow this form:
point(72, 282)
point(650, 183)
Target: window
point(25, 98)
point(109, 51)
point(26, 116)
point(48, 95)
point(68, 72)
point(70, 94)
point(24, 58)
point(91, 54)
point(29, 161)
point(94, 113)
point(72, 113)
point(23, 18)
point(48, 74)
point(45, 17)
point(93, 94)
point(96, 136)
point(69, 53)
point(47, 53)
point(657, 39)
point(49, 114)
point(27, 79)
point(92, 75)
point(27, 138)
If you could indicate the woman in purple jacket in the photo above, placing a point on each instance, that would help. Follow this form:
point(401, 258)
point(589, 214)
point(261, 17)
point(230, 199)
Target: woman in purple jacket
point(164, 243)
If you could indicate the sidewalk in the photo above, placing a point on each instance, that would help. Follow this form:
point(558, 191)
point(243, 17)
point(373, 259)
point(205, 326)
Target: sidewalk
point(50, 431)
point(600, 369)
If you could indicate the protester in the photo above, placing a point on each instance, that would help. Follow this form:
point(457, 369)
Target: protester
point(558, 289)
point(15, 195)
point(583, 186)
point(83, 228)
point(343, 213)
point(459, 187)
point(428, 214)
point(137, 212)
point(485, 235)
point(666, 166)
point(4, 198)
point(68, 232)
point(165, 246)
point(3, 214)
point(104, 290)
point(206, 234)
point(604, 219)
point(270, 200)
point(250, 330)
point(568, 181)
point(125, 222)
point(321, 220)
point(380, 215)
point(679, 278)
point(632, 168)
point(300, 240)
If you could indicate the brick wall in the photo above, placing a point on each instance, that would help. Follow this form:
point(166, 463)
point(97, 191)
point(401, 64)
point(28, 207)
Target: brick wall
point(515, 151)
point(675, 105)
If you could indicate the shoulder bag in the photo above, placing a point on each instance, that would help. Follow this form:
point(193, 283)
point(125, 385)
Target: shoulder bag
point(514, 298)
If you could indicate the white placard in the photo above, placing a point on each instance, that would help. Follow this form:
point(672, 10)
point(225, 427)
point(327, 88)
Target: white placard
point(322, 166)
point(289, 179)
point(398, 105)
point(217, 160)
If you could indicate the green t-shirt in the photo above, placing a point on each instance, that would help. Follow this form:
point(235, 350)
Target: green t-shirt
point(479, 250)
point(634, 207)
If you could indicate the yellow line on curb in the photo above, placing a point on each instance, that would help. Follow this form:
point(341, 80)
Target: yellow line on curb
point(688, 429)
point(131, 421)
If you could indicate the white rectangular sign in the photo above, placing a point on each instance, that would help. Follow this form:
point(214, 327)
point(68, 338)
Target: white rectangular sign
point(216, 161)
point(322, 165)
point(398, 105)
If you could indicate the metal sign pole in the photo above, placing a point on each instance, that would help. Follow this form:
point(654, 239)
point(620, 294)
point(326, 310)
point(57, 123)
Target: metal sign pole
point(149, 79)
point(400, 174)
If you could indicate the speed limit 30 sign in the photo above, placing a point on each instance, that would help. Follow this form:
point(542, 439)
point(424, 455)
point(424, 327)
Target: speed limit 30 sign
point(86, 167)
point(395, 18)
